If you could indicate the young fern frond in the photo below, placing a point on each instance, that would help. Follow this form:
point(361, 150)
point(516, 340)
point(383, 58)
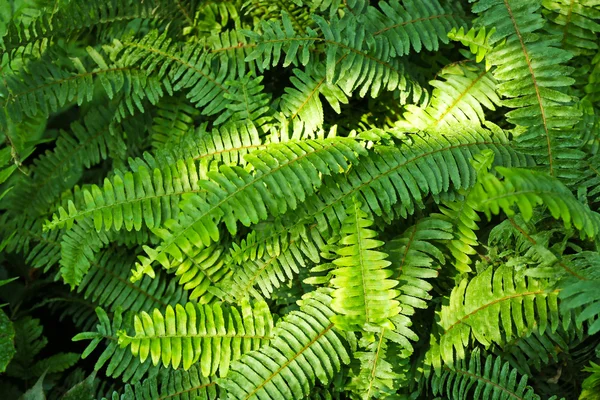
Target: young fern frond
point(527, 189)
point(473, 379)
point(212, 336)
point(461, 93)
point(304, 348)
point(492, 307)
point(363, 292)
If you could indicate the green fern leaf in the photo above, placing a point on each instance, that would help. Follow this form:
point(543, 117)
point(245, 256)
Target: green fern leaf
point(461, 96)
point(476, 39)
point(78, 248)
point(522, 56)
point(121, 363)
point(282, 180)
point(414, 258)
point(107, 285)
point(172, 385)
point(473, 379)
point(576, 23)
point(411, 24)
point(526, 189)
point(492, 307)
point(211, 335)
point(364, 293)
point(305, 348)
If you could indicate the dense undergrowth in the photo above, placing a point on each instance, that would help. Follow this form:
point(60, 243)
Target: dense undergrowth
point(325, 199)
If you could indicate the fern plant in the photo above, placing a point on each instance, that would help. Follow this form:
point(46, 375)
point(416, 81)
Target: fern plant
point(298, 199)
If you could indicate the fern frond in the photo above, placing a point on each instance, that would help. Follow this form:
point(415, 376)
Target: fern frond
point(173, 120)
point(355, 60)
point(462, 215)
point(228, 144)
point(88, 144)
point(410, 25)
point(201, 269)
point(534, 351)
point(376, 378)
point(264, 10)
point(267, 259)
point(591, 384)
point(473, 379)
point(353, 66)
point(42, 248)
point(417, 167)
point(72, 19)
point(476, 39)
point(591, 178)
point(526, 189)
point(286, 173)
point(29, 342)
point(364, 293)
point(186, 69)
point(149, 195)
point(79, 246)
point(461, 93)
point(414, 258)
point(581, 297)
point(522, 57)
point(46, 87)
point(302, 105)
point(212, 335)
point(534, 245)
point(305, 348)
point(248, 103)
point(121, 363)
point(107, 284)
point(492, 307)
point(575, 23)
point(172, 385)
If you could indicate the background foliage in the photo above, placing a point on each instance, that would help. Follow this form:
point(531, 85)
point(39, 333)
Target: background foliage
point(288, 199)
